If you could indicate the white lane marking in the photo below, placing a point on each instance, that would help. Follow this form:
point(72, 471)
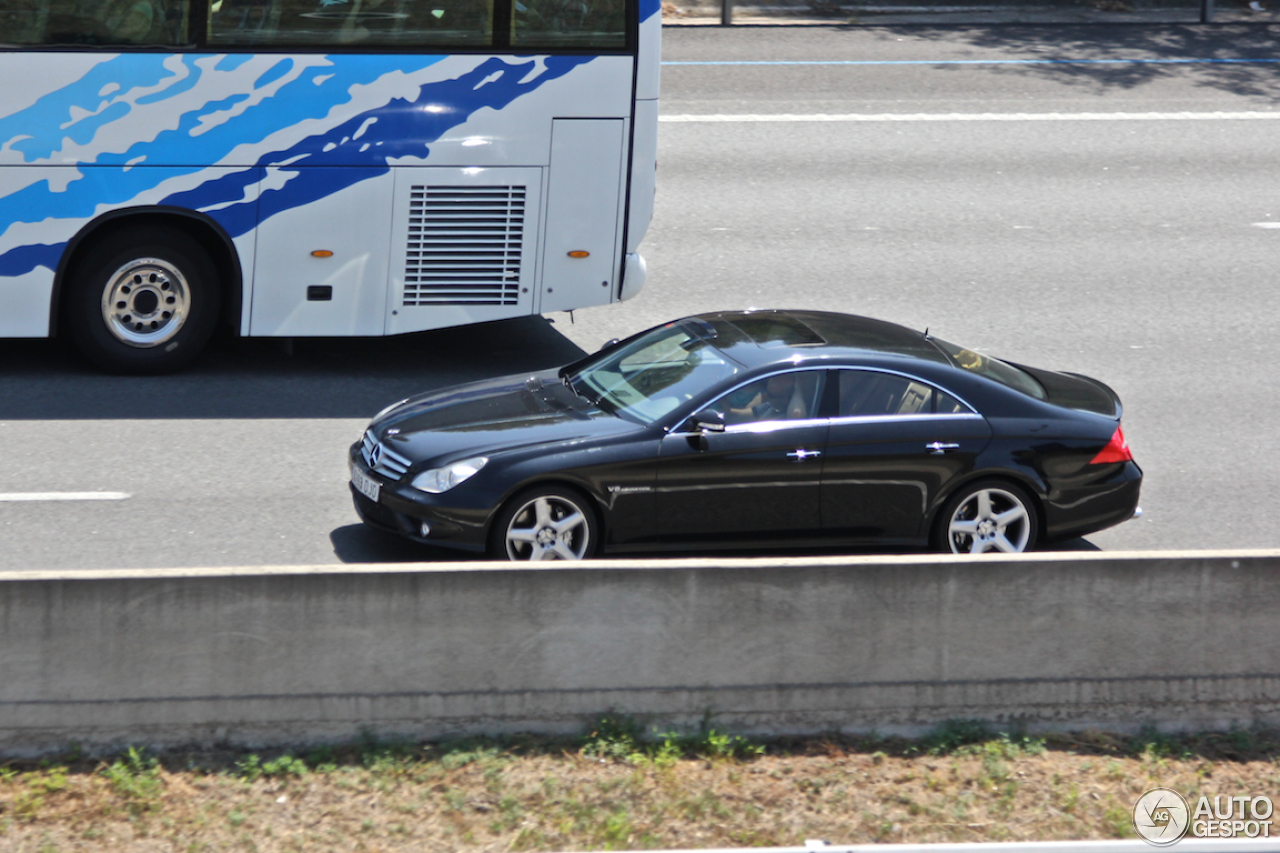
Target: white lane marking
point(63, 496)
point(1270, 225)
point(909, 117)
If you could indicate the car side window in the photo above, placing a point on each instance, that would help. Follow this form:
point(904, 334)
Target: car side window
point(788, 396)
point(945, 404)
point(868, 393)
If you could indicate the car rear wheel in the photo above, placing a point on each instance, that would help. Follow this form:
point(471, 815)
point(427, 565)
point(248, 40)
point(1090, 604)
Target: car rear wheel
point(144, 301)
point(988, 516)
point(545, 524)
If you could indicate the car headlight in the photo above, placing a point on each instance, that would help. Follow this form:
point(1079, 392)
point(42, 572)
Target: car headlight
point(439, 480)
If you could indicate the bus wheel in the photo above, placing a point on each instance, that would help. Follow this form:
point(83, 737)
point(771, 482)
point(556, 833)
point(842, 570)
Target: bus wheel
point(144, 301)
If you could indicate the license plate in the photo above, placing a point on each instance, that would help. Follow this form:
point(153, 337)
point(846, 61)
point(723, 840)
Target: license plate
point(365, 485)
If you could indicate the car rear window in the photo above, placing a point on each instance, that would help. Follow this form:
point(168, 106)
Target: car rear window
point(992, 368)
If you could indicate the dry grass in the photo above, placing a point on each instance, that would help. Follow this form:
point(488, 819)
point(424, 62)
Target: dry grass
point(611, 792)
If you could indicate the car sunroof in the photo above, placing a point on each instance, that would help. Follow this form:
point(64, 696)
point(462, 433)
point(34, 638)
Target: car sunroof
point(775, 331)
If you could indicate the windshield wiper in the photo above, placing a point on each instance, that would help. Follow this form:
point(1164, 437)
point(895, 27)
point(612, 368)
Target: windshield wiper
point(572, 382)
point(575, 384)
point(583, 390)
point(605, 405)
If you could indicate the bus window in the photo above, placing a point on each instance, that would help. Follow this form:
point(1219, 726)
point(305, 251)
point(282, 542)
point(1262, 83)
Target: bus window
point(569, 23)
point(84, 22)
point(23, 22)
point(321, 23)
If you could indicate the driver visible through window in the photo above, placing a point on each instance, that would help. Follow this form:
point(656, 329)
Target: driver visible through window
point(789, 396)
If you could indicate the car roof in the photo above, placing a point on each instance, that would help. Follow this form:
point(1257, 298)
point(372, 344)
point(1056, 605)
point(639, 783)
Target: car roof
point(756, 337)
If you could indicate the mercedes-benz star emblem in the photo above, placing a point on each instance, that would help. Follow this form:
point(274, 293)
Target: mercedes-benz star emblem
point(375, 455)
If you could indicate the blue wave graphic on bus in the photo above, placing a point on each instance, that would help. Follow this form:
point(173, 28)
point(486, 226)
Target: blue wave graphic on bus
point(400, 127)
point(109, 92)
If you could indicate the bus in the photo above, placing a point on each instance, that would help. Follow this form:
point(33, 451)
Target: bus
point(300, 168)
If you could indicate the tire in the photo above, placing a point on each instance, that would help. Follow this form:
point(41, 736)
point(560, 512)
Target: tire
point(145, 300)
point(988, 516)
point(545, 523)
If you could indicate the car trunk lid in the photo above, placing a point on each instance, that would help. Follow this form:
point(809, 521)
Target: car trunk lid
point(1074, 391)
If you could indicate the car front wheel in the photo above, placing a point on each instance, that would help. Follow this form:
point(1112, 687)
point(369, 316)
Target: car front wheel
point(545, 524)
point(990, 516)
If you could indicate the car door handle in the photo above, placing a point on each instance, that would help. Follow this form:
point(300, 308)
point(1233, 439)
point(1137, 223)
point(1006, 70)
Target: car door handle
point(938, 448)
point(801, 455)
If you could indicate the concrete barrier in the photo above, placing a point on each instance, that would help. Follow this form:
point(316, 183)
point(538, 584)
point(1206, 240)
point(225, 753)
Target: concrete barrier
point(297, 655)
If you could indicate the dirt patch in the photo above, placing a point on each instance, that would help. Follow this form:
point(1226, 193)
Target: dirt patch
point(611, 791)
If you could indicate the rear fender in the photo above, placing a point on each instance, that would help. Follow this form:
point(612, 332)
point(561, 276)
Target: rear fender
point(1027, 481)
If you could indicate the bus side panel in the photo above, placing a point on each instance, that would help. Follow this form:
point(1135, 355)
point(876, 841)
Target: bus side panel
point(322, 268)
point(581, 257)
point(26, 300)
point(29, 255)
point(303, 109)
point(519, 132)
point(464, 246)
point(43, 208)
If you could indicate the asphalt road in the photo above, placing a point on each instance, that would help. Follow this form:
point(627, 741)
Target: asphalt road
point(1104, 200)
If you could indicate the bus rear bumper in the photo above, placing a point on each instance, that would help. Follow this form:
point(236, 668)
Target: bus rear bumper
point(633, 276)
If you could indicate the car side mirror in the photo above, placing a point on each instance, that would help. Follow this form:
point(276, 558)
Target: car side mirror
point(709, 420)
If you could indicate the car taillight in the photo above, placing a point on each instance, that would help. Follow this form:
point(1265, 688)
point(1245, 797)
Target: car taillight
point(1117, 450)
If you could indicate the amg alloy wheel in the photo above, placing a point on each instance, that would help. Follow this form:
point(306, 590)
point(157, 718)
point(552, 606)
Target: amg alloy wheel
point(545, 524)
point(989, 517)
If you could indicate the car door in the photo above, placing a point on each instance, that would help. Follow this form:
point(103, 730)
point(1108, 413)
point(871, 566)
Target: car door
point(894, 443)
point(754, 479)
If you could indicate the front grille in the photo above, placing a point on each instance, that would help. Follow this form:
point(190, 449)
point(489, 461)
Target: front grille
point(390, 464)
point(465, 245)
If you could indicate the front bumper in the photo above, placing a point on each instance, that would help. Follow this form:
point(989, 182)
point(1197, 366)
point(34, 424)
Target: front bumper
point(458, 518)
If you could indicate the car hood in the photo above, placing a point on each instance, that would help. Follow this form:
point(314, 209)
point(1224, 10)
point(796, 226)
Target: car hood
point(1073, 391)
point(494, 415)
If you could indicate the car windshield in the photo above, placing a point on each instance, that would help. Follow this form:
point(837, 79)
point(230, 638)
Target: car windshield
point(650, 376)
point(992, 368)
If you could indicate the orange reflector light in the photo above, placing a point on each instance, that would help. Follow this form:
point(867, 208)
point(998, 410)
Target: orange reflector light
point(322, 253)
point(578, 253)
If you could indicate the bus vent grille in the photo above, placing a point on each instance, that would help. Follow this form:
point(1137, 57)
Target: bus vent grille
point(465, 245)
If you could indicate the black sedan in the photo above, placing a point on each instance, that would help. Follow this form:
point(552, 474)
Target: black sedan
point(752, 429)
